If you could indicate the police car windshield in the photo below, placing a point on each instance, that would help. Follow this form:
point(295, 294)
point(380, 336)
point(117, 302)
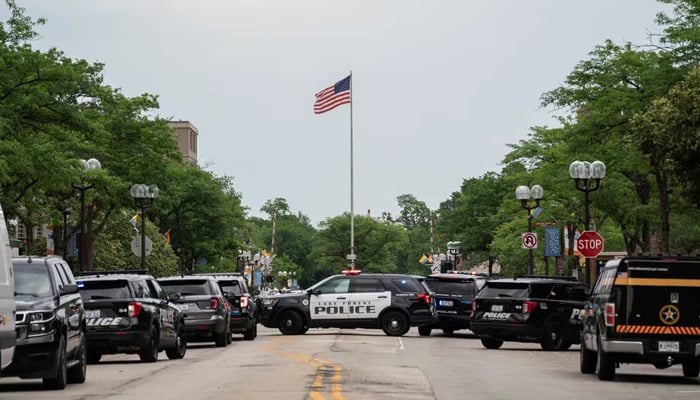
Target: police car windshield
point(117, 289)
point(33, 280)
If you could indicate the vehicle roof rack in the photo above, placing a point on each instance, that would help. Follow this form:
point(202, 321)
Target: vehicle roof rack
point(116, 272)
point(218, 274)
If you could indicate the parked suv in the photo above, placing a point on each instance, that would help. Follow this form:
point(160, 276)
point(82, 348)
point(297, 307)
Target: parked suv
point(244, 318)
point(206, 310)
point(643, 310)
point(535, 309)
point(8, 337)
point(391, 302)
point(453, 294)
point(51, 340)
point(128, 312)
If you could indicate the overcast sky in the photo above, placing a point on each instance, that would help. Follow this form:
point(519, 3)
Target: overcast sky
point(439, 87)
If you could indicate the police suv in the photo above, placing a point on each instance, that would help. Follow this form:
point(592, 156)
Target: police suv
point(643, 310)
point(391, 302)
point(534, 309)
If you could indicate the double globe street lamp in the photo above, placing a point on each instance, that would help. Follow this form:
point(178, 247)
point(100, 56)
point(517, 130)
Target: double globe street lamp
point(144, 197)
point(587, 176)
point(524, 194)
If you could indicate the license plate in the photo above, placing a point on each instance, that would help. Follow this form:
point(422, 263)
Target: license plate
point(446, 303)
point(92, 313)
point(668, 347)
point(497, 307)
point(184, 307)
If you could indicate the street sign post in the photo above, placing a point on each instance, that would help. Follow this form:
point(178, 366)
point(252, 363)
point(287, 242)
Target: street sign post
point(590, 244)
point(136, 246)
point(529, 240)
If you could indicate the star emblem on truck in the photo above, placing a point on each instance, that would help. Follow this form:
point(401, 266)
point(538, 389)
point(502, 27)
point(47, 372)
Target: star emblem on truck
point(669, 314)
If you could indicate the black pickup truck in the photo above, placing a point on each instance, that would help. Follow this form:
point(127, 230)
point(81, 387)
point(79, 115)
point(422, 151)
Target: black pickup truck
point(128, 312)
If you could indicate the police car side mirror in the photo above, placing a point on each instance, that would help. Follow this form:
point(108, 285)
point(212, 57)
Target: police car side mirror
point(313, 291)
point(68, 289)
point(173, 297)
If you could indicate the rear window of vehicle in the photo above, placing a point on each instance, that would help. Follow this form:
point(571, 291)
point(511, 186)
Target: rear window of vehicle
point(117, 289)
point(231, 287)
point(406, 285)
point(505, 289)
point(683, 269)
point(461, 287)
point(186, 287)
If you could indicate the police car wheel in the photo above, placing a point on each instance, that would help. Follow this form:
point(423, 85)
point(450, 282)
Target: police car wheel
point(691, 369)
point(605, 366)
point(291, 323)
point(587, 359)
point(552, 338)
point(424, 330)
point(395, 323)
point(491, 343)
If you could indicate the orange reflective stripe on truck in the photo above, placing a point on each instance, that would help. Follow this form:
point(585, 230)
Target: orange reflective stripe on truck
point(658, 330)
point(657, 282)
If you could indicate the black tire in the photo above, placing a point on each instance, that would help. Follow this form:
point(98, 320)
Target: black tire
point(691, 369)
point(59, 381)
point(424, 330)
point(178, 352)
point(587, 360)
point(395, 323)
point(220, 339)
point(491, 343)
point(291, 323)
point(78, 373)
point(93, 357)
point(150, 352)
point(448, 332)
point(251, 333)
point(605, 365)
point(552, 340)
point(229, 338)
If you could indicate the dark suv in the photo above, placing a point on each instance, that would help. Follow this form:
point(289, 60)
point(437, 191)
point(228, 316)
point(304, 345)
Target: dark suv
point(128, 312)
point(391, 302)
point(453, 294)
point(50, 323)
point(643, 310)
point(535, 309)
point(244, 313)
point(206, 310)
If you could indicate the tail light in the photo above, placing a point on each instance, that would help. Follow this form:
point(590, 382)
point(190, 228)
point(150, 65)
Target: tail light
point(529, 306)
point(425, 297)
point(473, 304)
point(609, 314)
point(244, 302)
point(214, 303)
point(135, 309)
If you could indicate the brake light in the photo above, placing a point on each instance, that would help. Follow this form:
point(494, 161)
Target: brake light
point(473, 304)
point(529, 306)
point(135, 309)
point(424, 296)
point(609, 314)
point(214, 303)
point(244, 302)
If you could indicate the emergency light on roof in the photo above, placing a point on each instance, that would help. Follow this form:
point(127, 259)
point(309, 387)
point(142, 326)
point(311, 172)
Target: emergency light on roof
point(353, 271)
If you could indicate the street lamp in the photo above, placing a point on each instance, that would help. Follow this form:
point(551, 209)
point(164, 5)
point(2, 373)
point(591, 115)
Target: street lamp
point(453, 251)
point(243, 259)
point(83, 257)
point(144, 196)
point(524, 193)
point(587, 177)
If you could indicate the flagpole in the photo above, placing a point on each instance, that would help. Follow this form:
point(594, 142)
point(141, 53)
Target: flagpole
point(352, 188)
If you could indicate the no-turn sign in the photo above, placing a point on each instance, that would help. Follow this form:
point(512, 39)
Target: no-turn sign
point(529, 240)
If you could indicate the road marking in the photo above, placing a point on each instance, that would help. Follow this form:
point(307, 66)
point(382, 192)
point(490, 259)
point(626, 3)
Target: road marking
point(401, 344)
point(687, 391)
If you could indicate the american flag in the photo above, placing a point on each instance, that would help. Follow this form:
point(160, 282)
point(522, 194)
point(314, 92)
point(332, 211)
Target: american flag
point(333, 96)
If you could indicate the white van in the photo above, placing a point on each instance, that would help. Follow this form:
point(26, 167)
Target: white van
point(8, 336)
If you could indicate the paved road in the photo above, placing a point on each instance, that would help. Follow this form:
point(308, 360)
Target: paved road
point(360, 364)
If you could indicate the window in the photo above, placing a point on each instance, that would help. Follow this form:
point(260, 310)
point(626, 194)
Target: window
point(156, 291)
point(367, 285)
point(61, 274)
point(576, 293)
point(141, 290)
point(605, 282)
point(406, 285)
point(452, 286)
point(118, 289)
point(339, 285)
point(67, 272)
point(186, 287)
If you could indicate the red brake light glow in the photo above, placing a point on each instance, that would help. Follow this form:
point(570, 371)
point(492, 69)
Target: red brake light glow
point(135, 309)
point(244, 301)
point(529, 306)
point(609, 314)
point(214, 303)
point(424, 296)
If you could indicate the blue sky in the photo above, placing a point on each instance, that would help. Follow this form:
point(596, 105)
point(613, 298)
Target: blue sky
point(439, 87)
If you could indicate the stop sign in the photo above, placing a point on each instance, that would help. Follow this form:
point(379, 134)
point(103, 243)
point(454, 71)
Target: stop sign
point(590, 244)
